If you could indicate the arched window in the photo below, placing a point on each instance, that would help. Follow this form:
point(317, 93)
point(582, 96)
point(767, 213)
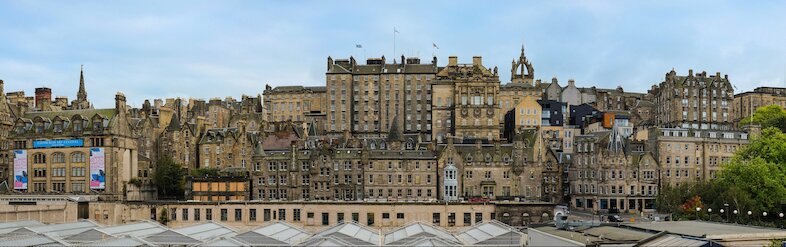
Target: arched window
point(39, 158)
point(58, 158)
point(77, 157)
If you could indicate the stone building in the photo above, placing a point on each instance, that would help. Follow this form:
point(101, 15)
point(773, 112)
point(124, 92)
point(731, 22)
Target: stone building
point(7, 118)
point(688, 155)
point(292, 103)
point(365, 98)
point(496, 171)
point(75, 151)
point(608, 173)
point(474, 89)
point(694, 101)
point(747, 102)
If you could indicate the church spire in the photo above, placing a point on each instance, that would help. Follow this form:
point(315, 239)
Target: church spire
point(82, 94)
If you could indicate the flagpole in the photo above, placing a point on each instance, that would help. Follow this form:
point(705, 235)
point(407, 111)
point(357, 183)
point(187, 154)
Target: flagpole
point(394, 43)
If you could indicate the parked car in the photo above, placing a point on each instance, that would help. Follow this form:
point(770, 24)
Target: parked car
point(615, 218)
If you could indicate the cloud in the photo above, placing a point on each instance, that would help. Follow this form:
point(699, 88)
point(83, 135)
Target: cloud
point(216, 49)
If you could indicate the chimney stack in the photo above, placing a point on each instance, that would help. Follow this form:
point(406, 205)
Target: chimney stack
point(43, 97)
point(452, 61)
point(477, 61)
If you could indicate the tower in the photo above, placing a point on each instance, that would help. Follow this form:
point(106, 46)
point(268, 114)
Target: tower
point(81, 95)
point(517, 74)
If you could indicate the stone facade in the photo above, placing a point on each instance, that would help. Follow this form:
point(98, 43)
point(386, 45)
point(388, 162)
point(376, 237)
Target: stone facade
point(747, 102)
point(694, 101)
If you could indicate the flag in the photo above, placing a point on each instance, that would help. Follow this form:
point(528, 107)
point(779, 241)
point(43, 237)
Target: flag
point(435, 45)
point(358, 46)
point(395, 30)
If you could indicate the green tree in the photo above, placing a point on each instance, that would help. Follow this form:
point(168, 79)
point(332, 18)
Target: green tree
point(768, 116)
point(770, 146)
point(169, 178)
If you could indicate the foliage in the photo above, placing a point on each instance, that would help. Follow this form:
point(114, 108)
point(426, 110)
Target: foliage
point(169, 178)
point(163, 218)
point(205, 172)
point(691, 204)
point(768, 116)
point(754, 180)
point(135, 181)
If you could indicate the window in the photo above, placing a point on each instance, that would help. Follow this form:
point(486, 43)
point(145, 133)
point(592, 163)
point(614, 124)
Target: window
point(400, 216)
point(185, 214)
point(467, 219)
point(282, 214)
point(39, 158)
point(435, 218)
point(355, 217)
point(208, 214)
point(224, 214)
point(77, 187)
point(174, 214)
point(78, 157)
point(370, 219)
point(266, 214)
point(252, 214)
point(296, 214)
point(385, 216)
point(325, 219)
point(478, 217)
point(58, 158)
point(196, 214)
point(340, 217)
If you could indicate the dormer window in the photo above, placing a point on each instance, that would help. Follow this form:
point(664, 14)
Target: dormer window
point(58, 127)
point(39, 127)
point(78, 125)
point(97, 124)
point(488, 158)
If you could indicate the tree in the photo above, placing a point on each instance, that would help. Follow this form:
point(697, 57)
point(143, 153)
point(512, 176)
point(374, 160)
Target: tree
point(768, 116)
point(169, 178)
point(770, 146)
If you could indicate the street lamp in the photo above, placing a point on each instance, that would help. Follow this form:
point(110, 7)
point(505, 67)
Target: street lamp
point(764, 214)
point(698, 209)
point(780, 215)
point(735, 216)
point(727, 211)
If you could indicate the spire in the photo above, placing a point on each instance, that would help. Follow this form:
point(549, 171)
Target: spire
point(82, 94)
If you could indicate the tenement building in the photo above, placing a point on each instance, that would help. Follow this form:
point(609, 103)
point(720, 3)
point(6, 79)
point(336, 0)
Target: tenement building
point(746, 103)
point(293, 103)
point(365, 98)
point(694, 101)
point(609, 172)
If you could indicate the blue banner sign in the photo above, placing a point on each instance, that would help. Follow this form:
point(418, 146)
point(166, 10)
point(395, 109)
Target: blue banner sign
point(58, 143)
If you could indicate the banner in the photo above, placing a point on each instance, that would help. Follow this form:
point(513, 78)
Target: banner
point(58, 143)
point(97, 169)
point(20, 169)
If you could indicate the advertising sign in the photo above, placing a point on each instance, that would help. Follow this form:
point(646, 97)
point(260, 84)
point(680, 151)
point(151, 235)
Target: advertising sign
point(20, 169)
point(58, 143)
point(97, 169)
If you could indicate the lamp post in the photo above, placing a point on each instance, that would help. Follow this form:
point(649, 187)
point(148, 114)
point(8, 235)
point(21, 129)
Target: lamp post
point(698, 209)
point(721, 211)
point(727, 211)
point(749, 215)
point(735, 216)
point(709, 211)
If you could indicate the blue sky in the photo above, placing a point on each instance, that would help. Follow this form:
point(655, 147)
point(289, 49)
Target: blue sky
point(206, 49)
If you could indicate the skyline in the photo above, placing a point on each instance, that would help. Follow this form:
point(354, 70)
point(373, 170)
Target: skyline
point(225, 49)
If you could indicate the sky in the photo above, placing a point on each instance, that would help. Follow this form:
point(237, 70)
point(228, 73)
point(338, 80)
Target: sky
point(209, 49)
